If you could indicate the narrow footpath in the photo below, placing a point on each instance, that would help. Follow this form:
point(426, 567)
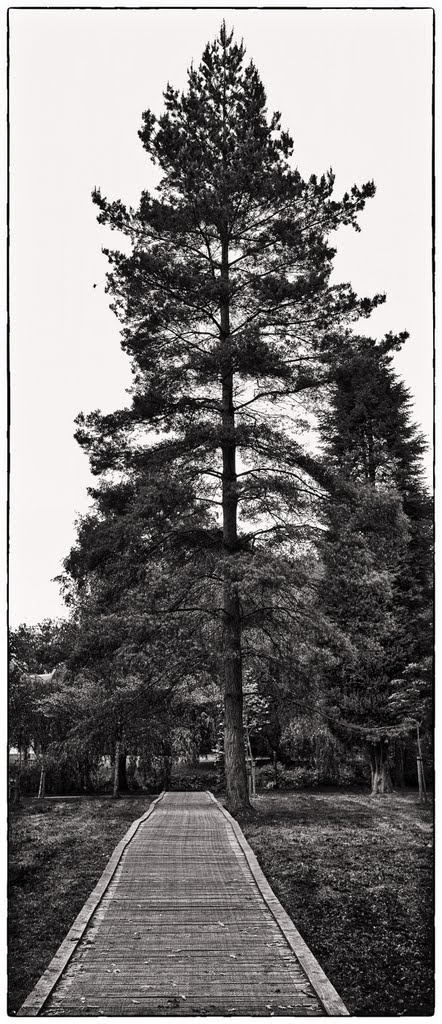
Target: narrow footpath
point(183, 923)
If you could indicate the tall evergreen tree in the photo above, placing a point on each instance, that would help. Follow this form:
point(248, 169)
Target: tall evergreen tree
point(378, 549)
point(227, 313)
point(368, 432)
point(370, 437)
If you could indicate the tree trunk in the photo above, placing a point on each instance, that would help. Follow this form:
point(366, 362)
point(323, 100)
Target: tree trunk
point(16, 791)
point(42, 783)
point(381, 778)
point(420, 767)
point(85, 776)
point(402, 766)
point(16, 786)
point(123, 785)
point(234, 753)
point(275, 769)
point(167, 763)
point(251, 764)
point(116, 791)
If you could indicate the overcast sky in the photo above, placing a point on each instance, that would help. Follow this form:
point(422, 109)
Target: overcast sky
point(354, 89)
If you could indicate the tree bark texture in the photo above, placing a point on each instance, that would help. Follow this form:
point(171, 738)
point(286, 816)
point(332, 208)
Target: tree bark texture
point(381, 778)
point(401, 766)
point(420, 767)
point(15, 792)
point(166, 747)
point(123, 785)
point(84, 772)
point(234, 753)
point(275, 769)
point(116, 790)
point(42, 783)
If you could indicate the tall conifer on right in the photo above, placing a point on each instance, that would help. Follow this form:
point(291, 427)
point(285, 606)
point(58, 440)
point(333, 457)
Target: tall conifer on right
point(378, 551)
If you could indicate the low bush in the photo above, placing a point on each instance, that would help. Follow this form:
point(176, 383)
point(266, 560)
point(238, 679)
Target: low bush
point(197, 779)
point(265, 776)
point(297, 778)
point(288, 778)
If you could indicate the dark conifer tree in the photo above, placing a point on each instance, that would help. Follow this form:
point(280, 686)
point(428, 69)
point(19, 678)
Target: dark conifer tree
point(370, 437)
point(378, 550)
point(227, 312)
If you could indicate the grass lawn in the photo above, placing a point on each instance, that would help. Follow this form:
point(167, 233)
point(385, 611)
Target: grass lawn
point(355, 875)
point(57, 850)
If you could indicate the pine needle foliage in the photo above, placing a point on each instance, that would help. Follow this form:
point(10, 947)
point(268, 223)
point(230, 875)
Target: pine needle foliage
point(228, 316)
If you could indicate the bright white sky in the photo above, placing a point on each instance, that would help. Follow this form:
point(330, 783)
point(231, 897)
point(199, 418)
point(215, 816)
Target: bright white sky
point(354, 89)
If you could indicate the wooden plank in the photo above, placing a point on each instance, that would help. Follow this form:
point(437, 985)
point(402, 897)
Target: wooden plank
point(331, 1001)
point(42, 990)
point(183, 929)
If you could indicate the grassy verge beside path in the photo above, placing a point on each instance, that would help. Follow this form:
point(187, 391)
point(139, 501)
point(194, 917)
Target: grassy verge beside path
point(57, 851)
point(355, 875)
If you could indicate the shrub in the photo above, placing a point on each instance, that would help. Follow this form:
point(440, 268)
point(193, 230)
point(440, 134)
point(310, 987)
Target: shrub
point(265, 775)
point(297, 778)
point(288, 778)
point(197, 779)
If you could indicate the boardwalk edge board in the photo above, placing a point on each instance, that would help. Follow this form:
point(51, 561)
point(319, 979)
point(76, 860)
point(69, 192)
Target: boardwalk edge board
point(327, 994)
point(42, 990)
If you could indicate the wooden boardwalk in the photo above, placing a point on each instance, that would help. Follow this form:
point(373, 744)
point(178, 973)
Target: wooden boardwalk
point(183, 923)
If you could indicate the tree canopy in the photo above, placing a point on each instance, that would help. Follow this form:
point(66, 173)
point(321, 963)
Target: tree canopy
point(228, 317)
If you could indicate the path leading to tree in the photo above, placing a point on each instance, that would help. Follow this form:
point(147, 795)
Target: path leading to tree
point(183, 922)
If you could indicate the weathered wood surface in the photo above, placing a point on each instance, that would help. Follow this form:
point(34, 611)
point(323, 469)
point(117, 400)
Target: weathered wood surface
point(184, 924)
